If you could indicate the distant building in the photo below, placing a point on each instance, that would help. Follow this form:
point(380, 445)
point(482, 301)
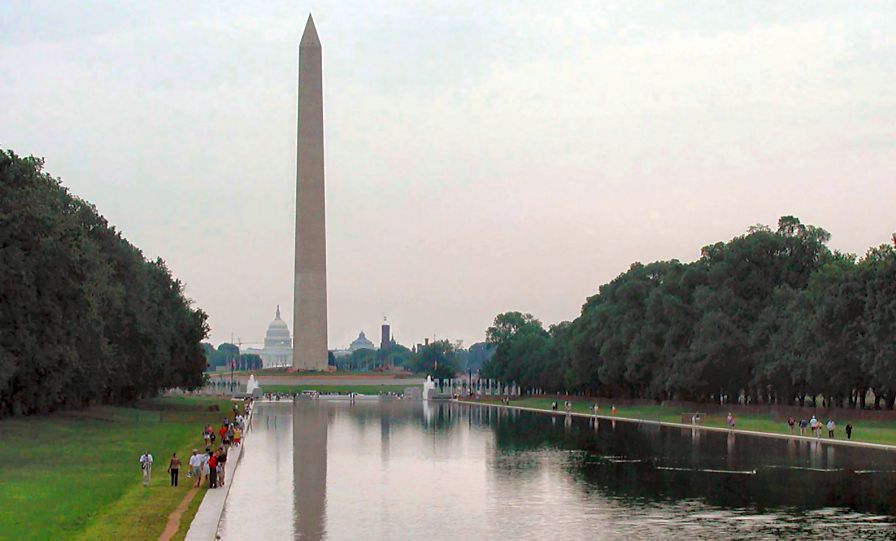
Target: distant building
point(361, 342)
point(277, 351)
point(385, 335)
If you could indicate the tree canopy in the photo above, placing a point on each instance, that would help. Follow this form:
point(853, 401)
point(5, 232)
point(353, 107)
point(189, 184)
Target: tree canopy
point(769, 316)
point(437, 359)
point(84, 317)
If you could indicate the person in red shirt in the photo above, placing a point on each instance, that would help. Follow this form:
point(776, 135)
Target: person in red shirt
point(223, 433)
point(213, 470)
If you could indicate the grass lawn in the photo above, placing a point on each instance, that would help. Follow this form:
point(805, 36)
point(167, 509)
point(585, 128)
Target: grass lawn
point(343, 389)
point(866, 431)
point(75, 475)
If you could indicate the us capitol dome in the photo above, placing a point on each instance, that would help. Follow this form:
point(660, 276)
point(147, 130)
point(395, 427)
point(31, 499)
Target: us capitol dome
point(277, 349)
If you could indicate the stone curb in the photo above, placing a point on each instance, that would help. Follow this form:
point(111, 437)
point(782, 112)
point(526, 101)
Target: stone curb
point(848, 443)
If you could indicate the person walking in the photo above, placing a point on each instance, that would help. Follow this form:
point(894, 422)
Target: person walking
point(213, 470)
point(803, 424)
point(222, 462)
point(730, 421)
point(813, 424)
point(849, 431)
point(831, 426)
point(196, 467)
point(174, 469)
point(790, 423)
point(205, 469)
point(146, 466)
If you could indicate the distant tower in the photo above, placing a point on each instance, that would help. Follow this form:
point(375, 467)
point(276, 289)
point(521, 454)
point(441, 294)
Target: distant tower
point(310, 293)
point(385, 336)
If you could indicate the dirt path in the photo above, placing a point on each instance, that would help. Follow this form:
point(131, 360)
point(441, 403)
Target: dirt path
point(174, 517)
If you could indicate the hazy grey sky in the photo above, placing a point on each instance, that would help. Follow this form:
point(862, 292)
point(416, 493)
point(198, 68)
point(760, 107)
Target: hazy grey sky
point(481, 156)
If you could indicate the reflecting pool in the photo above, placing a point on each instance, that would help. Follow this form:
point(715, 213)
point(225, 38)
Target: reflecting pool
point(391, 469)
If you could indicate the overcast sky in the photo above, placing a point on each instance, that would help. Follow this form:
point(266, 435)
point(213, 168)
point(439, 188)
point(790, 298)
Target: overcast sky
point(480, 156)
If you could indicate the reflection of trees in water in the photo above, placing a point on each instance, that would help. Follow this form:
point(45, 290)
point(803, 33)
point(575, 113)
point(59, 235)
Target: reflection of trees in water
point(442, 416)
point(628, 463)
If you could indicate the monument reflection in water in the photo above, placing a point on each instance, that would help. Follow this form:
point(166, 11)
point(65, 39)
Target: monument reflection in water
point(406, 470)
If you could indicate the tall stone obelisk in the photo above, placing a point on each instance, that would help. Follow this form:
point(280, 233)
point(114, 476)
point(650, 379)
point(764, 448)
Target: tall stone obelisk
point(309, 349)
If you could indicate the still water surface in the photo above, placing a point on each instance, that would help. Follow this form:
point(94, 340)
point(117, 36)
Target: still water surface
point(409, 470)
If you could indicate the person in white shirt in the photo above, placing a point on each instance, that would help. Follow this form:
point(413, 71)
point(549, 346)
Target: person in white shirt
point(205, 470)
point(196, 466)
point(146, 466)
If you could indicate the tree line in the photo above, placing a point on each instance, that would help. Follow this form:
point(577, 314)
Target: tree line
point(772, 316)
point(228, 356)
point(84, 317)
point(439, 358)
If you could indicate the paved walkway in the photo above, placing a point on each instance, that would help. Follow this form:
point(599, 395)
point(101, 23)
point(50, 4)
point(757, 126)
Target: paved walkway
point(205, 524)
point(850, 443)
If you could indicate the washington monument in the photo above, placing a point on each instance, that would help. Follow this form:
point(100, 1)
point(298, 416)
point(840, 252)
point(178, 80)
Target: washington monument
point(309, 349)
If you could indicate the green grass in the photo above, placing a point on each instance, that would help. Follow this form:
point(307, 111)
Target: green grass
point(75, 475)
point(864, 431)
point(343, 389)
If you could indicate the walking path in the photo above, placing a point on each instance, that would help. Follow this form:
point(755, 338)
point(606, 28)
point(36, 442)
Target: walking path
point(205, 524)
point(174, 518)
point(851, 443)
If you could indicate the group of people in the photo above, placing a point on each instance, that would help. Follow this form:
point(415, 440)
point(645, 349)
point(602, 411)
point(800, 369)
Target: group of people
point(209, 466)
point(146, 462)
point(567, 406)
point(230, 432)
point(817, 426)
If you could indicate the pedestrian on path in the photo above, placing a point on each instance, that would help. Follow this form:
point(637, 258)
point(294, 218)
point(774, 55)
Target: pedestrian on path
point(813, 424)
point(196, 467)
point(790, 423)
point(205, 469)
point(174, 469)
point(831, 426)
point(222, 462)
point(848, 431)
point(803, 424)
point(730, 421)
point(146, 466)
point(213, 471)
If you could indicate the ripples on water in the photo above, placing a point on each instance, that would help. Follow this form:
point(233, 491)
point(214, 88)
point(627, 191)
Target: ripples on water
point(399, 470)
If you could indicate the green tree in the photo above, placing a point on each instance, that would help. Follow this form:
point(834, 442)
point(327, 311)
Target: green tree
point(435, 359)
point(84, 317)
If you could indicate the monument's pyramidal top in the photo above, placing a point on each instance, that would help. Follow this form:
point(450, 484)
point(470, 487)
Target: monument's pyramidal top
point(309, 36)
